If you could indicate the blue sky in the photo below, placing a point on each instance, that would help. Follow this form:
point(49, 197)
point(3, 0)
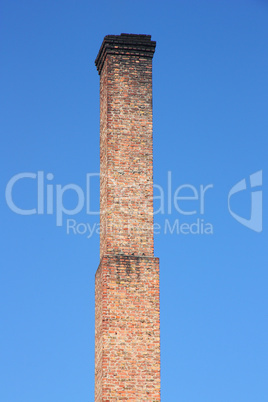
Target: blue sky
point(210, 127)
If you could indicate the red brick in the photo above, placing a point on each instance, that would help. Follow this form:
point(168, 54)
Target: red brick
point(127, 329)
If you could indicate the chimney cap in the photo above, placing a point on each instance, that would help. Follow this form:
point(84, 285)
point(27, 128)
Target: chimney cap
point(134, 44)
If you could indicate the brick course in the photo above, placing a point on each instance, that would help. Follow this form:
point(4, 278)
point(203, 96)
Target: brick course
point(127, 332)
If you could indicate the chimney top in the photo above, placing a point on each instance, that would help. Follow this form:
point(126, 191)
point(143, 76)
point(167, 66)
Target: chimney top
point(129, 44)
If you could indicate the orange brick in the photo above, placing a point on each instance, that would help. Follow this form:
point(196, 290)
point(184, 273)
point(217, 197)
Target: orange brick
point(127, 326)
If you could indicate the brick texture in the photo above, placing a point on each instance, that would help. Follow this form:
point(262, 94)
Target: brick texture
point(127, 331)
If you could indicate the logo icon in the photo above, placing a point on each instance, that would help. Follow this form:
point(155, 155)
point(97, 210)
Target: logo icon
point(255, 221)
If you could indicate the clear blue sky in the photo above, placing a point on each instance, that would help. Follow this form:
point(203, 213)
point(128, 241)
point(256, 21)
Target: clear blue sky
point(210, 97)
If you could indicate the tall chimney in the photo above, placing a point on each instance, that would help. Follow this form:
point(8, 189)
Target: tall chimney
point(127, 327)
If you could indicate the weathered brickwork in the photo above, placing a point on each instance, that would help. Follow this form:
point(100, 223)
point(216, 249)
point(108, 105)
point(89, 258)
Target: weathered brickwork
point(127, 329)
point(126, 155)
point(127, 332)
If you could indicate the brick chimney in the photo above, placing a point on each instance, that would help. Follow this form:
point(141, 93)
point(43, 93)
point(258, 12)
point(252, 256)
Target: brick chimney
point(127, 330)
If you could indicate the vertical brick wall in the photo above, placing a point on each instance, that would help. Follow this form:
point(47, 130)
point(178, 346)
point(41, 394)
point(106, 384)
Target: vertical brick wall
point(126, 145)
point(127, 332)
point(127, 329)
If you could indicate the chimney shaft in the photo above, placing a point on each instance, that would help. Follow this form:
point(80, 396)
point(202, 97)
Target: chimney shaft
point(127, 333)
point(126, 144)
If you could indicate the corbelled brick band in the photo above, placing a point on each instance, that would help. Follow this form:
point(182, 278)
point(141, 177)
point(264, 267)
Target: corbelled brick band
point(127, 330)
